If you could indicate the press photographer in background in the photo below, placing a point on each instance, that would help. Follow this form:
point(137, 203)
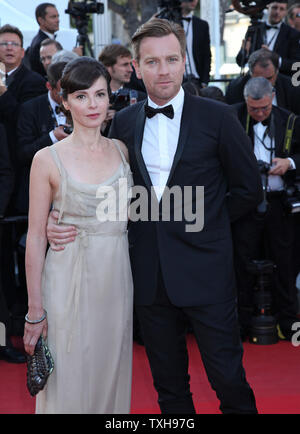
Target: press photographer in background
point(41, 123)
point(117, 60)
point(269, 234)
point(273, 35)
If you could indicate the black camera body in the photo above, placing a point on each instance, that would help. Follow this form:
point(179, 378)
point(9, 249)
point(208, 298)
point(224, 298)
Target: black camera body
point(79, 9)
point(123, 98)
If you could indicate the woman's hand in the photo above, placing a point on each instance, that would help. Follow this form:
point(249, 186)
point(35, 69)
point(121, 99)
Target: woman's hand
point(32, 332)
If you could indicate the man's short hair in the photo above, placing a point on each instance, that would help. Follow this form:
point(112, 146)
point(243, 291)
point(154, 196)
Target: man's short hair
point(109, 55)
point(157, 27)
point(263, 57)
point(41, 10)
point(55, 72)
point(257, 88)
point(50, 41)
point(7, 28)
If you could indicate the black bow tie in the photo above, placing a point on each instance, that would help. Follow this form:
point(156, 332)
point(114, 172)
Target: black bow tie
point(186, 19)
point(266, 122)
point(58, 110)
point(167, 111)
point(268, 27)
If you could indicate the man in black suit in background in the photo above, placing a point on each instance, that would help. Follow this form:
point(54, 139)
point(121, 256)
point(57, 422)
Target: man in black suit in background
point(276, 36)
point(265, 63)
point(47, 18)
point(41, 123)
point(21, 84)
point(7, 351)
point(189, 142)
point(198, 54)
point(270, 234)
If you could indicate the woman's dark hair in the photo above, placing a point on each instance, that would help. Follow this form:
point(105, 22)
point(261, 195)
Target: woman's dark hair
point(81, 73)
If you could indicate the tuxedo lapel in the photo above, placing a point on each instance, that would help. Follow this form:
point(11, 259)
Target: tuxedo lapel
point(281, 38)
point(183, 134)
point(138, 140)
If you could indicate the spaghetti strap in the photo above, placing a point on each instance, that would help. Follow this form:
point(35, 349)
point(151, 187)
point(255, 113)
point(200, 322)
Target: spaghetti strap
point(56, 158)
point(120, 151)
point(63, 176)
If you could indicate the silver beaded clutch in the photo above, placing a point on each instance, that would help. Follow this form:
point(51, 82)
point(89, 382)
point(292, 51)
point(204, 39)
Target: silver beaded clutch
point(39, 367)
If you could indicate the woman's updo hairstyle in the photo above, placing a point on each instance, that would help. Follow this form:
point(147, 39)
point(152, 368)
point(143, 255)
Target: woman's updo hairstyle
point(81, 73)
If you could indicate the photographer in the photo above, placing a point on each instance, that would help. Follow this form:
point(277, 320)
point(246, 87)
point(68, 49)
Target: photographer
point(117, 60)
point(273, 35)
point(41, 123)
point(268, 234)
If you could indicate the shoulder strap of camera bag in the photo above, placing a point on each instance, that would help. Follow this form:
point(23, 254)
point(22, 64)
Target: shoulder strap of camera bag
point(289, 134)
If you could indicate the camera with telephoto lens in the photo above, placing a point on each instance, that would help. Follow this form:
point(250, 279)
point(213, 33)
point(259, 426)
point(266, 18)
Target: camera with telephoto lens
point(82, 8)
point(170, 10)
point(263, 330)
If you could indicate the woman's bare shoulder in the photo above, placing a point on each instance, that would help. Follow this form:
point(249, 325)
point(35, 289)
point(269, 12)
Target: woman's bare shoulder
point(123, 147)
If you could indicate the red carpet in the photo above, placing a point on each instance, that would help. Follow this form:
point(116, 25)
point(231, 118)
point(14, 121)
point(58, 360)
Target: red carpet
point(272, 371)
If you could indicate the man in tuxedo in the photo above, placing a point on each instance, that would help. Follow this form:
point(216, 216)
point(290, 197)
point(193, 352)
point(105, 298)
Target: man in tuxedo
point(179, 140)
point(117, 60)
point(41, 123)
point(47, 17)
point(7, 351)
point(268, 233)
point(265, 63)
point(21, 84)
point(198, 54)
point(276, 36)
point(47, 50)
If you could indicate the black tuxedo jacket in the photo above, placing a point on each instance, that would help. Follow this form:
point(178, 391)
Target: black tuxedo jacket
point(34, 53)
point(34, 124)
point(201, 48)
point(287, 95)
point(6, 173)
point(213, 151)
point(286, 46)
point(24, 86)
point(280, 122)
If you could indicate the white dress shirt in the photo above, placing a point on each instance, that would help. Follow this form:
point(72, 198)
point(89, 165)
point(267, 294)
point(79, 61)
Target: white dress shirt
point(160, 143)
point(60, 118)
point(190, 67)
point(275, 182)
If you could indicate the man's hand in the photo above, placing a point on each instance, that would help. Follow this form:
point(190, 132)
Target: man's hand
point(279, 166)
point(58, 235)
point(59, 132)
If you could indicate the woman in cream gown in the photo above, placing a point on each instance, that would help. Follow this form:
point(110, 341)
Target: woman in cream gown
point(85, 288)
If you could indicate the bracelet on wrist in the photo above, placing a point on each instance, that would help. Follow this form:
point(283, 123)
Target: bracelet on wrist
point(37, 321)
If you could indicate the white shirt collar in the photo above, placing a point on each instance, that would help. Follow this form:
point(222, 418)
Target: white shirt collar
point(176, 102)
point(52, 102)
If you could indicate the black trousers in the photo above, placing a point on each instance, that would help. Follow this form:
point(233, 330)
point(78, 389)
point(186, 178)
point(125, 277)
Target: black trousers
point(268, 237)
point(216, 330)
point(4, 312)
